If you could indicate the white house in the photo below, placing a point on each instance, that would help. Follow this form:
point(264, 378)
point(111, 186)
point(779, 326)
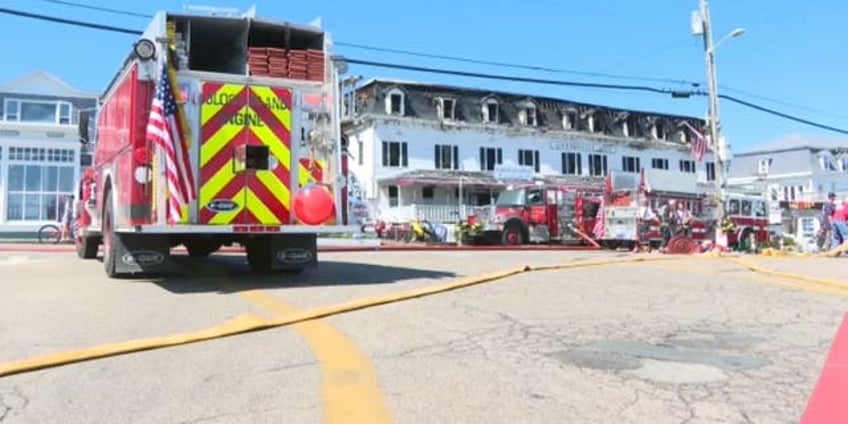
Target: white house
point(40, 153)
point(413, 146)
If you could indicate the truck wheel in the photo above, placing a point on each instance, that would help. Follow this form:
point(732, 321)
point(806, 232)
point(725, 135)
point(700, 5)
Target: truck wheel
point(259, 255)
point(86, 246)
point(512, 236)
point(109, 249)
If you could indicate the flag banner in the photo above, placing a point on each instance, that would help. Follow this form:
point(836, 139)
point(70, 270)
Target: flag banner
point(698, 146)
point(165, 129)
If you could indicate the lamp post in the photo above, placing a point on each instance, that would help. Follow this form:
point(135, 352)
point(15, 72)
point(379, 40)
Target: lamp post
point(701, 26)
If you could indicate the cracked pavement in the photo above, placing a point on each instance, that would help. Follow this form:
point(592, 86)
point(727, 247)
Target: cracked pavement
point(682, 342)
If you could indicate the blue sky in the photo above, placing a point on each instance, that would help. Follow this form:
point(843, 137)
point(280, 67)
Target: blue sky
point(792, 53)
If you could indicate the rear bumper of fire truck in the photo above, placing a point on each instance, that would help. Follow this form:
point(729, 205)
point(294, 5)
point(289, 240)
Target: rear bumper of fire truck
point(240, 229)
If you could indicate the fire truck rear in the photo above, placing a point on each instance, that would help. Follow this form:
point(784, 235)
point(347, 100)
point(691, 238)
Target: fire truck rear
point(216, 131)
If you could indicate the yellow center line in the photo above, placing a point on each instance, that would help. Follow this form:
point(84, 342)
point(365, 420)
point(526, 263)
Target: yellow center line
point(351, 389)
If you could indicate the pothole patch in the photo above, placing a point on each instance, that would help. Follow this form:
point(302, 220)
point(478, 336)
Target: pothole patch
point(662, 362)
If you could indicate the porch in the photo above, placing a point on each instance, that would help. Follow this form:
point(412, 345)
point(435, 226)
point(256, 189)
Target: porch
point(436, 196)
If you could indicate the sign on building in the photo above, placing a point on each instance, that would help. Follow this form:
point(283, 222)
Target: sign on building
point(513, 173)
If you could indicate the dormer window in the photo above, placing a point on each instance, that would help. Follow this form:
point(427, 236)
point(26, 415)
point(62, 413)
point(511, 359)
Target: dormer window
point(447, 109)
point(569, 120)
point(491, 111)
point(763, 166)
point(527, 114)
point(395, 102)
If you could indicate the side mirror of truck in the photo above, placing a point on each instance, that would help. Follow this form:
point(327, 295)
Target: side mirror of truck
point(84, 117)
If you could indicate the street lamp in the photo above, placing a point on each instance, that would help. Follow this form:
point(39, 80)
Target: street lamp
point(701, 26)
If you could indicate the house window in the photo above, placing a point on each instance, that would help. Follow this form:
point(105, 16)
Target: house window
point(763, 166)
point(529, 158)
point(572, 164)
point(527, 114)
point(598, 165)
point(446, 156)
point(428, 192)
point(395, 154)
point(569, 118)
point(395, 102)
point(447, 109)
point(489, 157)
point(687, 166)
point(393, 196)
point(710, 167)
point(38, 181)
point(659, 163)
point(630, 164)
point(40, 112)
point(490, 111)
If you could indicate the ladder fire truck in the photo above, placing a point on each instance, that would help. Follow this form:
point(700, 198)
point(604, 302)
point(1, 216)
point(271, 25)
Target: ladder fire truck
point(243, 146)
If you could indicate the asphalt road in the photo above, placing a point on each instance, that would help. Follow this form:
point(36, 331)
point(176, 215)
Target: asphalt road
point(690, 340)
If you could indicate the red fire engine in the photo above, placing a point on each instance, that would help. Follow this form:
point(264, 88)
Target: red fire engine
point(215, 131)
point(621, 205)
point(543, 213)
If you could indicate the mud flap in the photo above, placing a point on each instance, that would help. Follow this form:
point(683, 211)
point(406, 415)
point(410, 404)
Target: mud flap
point(147, 254)
point(294, 251)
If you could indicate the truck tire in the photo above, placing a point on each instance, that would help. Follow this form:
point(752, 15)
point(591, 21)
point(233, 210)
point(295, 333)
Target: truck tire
point(513, 236)
point(86, 246)
point(109, 249)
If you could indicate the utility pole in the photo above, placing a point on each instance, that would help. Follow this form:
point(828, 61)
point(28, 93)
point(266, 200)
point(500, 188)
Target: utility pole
point(713, 116)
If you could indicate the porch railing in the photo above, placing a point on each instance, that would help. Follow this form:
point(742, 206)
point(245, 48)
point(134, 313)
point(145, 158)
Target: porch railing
point(445, 214)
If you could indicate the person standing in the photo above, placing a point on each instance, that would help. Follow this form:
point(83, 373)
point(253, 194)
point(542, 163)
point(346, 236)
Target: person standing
point(643, 223)
point(825, 226)
point(669, 222)
point(838, 221)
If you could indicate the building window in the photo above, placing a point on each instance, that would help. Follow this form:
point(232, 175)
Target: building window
point(572, 164)
point(428, 192)
point(659, 163)
point(490, 111)
point(763, 166)
point(527, 114)
point(630, 164)
point(393, 196)
point(395, 154)
point(39, 112)
point(710, 167)
point(395, 102)
point(598, 165)
point(529, 158)
point(38, 181)
point(687, 166)
point(489, 157)
point(447, 109)
point(446, 156)
point(569, 120)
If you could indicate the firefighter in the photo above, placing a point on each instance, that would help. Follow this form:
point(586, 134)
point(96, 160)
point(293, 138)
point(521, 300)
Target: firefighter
point(669, 222)
point(643, 222)
point(684, 219)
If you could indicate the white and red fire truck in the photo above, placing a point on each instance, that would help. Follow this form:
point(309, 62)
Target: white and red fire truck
point(249, 152)
point(542, 213)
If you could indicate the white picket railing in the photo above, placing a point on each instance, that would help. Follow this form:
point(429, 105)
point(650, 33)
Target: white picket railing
point(434, 213)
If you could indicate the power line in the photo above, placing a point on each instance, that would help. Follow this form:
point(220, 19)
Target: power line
point(99, 8)
point(513, 65)
point(510, 65)
point(69, 21)
point(508, 77)
point(471, 74)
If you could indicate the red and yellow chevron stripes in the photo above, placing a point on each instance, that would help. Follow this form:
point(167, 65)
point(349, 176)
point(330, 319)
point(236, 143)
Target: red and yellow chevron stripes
point(233, 115)
point(305, 176)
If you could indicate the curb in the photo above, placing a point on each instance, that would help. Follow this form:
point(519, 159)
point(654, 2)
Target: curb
point(36, 248)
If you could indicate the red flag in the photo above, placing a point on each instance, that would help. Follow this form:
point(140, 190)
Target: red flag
point(698, 146)
point(165, 130)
